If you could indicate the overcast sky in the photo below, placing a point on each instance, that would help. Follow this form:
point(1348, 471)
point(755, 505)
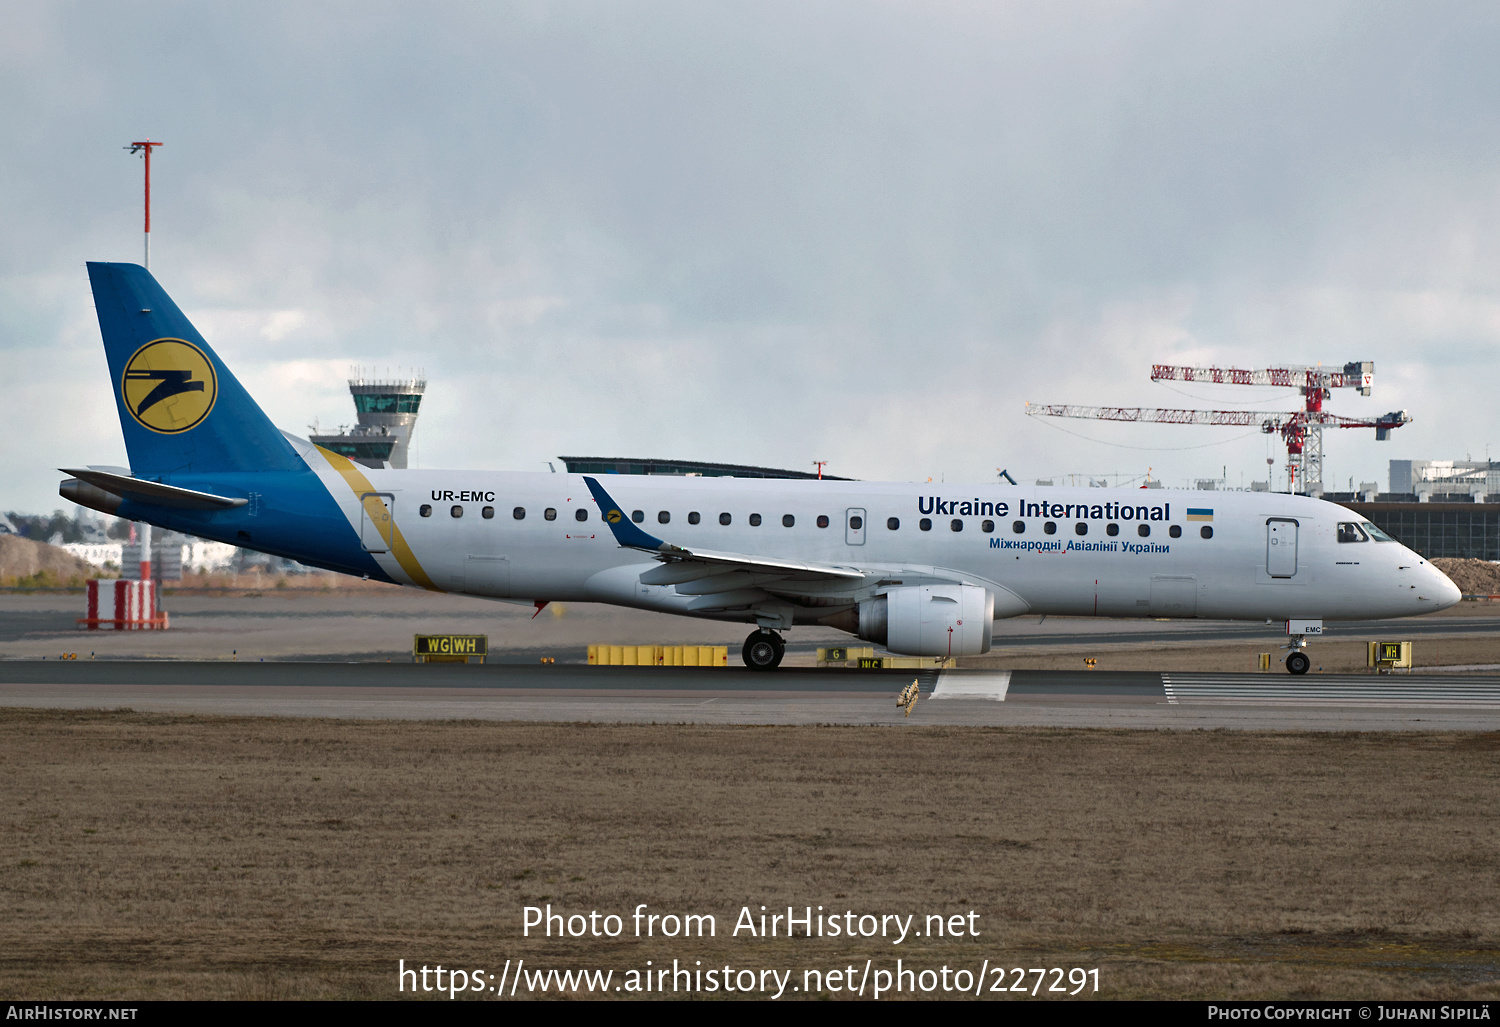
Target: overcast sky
point(766, 233)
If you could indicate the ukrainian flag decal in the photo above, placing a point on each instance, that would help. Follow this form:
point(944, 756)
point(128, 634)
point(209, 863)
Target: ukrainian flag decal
point(1200, 513)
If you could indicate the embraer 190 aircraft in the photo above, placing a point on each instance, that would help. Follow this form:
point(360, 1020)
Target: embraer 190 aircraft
point(918, 569)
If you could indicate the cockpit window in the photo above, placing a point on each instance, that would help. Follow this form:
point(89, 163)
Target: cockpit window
point(1376, 533)
point(1351, 532)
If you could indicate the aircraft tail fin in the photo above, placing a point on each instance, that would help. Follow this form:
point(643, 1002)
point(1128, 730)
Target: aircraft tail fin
point(180, 408)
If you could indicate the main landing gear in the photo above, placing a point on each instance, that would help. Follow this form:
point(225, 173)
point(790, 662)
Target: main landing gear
point(763, 650)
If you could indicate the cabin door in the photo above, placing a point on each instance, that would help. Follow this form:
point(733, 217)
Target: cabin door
point(378, 521)
point(1281, 547)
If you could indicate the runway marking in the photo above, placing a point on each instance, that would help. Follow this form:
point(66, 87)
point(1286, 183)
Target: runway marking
point(1391, 692)
point(972, 685)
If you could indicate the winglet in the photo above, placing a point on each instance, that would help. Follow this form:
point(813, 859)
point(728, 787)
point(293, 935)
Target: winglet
point(625, 531)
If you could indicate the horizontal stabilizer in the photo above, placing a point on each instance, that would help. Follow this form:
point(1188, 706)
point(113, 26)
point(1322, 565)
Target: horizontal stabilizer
point(153, 491)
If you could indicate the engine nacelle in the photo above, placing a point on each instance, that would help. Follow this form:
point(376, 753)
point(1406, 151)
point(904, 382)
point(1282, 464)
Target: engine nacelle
point(930, 620)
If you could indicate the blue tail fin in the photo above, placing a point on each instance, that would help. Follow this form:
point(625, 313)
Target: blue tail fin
point(180, 408)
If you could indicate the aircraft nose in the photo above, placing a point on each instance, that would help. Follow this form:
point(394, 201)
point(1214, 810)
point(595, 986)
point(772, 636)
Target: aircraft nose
point(1445, 592)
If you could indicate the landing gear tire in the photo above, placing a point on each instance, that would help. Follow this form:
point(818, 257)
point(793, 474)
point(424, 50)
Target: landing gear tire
point(1297, 663)
point(763, 650)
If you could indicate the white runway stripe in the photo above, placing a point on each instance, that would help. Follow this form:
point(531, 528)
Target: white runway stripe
point(1319, 690)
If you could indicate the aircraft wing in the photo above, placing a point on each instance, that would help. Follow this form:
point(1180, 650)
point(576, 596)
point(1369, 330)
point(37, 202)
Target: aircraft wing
point(707, 567)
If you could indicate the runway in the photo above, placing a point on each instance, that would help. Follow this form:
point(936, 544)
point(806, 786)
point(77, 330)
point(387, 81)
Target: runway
point(1143, 700)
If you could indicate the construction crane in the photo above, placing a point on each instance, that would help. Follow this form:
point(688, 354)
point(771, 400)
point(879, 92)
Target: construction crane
point(1359, 374)
point(1301, 430)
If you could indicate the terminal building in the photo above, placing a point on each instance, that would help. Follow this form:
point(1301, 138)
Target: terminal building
point(386, 411)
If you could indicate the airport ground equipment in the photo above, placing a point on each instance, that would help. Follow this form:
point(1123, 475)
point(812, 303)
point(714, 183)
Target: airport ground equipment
point(605, 655)
point(1263, 661)
point(1389, 656)
point(1301, 430)
point(449, 648)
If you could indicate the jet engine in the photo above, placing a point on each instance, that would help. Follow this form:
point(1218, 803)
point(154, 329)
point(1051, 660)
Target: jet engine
point(930, 620)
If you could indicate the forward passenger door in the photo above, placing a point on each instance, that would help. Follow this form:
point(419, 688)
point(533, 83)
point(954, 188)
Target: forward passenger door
point(1281, 547)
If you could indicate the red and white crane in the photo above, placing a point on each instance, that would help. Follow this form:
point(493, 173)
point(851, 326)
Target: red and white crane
point(1302, 430)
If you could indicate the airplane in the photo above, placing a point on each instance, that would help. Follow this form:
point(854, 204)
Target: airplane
point(919, 569)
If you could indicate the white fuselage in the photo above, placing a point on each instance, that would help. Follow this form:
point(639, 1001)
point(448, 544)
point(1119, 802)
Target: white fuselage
point(1270, 555)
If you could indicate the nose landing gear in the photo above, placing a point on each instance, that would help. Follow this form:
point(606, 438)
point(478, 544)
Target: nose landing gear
point(763, 650)
point(1297, 662)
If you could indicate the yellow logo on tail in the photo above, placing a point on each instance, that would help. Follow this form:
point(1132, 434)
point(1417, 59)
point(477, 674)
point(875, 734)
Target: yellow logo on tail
point(169, 386)
point(613, 517)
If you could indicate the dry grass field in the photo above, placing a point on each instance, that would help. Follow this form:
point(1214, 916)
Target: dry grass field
point(163, 857)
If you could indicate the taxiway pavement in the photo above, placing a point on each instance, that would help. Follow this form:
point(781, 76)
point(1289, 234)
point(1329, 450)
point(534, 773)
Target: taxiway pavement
point(1273, 701)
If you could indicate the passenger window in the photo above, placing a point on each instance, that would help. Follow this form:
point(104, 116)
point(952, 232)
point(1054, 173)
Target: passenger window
point(581, 514)
point(663, 517)
point(1081, 528)
point(925, 524)
point(787, 520)
point(1050, 527)
point(956, 524)
point(638, 516)
point(457, 511)
point(988, 527)
point(755, 520)
point(1351, 532)
point(519, 513)
point(488, 513)
point(1143, 530)
point(550, 513)
point(426, 510)
point(1019, 527)
point(856, 522)
point(1375, 533)
point(823, 521)
point(694, 517)
point(724, 518)
point(893, 523)
point(1112, 529)
point(1206, 531)
point(1175, 531)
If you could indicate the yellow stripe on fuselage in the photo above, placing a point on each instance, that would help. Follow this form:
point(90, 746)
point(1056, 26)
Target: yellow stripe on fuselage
point(380, 515)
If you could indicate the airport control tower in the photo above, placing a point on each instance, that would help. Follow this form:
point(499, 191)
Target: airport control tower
point(387, 413)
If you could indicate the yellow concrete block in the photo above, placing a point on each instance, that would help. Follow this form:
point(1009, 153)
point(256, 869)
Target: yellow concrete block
point(593, 656)
point(721, 656)
point(645, 655)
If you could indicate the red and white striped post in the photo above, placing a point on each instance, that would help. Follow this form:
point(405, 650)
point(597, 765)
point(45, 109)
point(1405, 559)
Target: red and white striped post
point(144, 147)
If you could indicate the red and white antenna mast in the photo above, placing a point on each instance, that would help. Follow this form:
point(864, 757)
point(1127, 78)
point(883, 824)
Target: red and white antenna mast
point(144, 147)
